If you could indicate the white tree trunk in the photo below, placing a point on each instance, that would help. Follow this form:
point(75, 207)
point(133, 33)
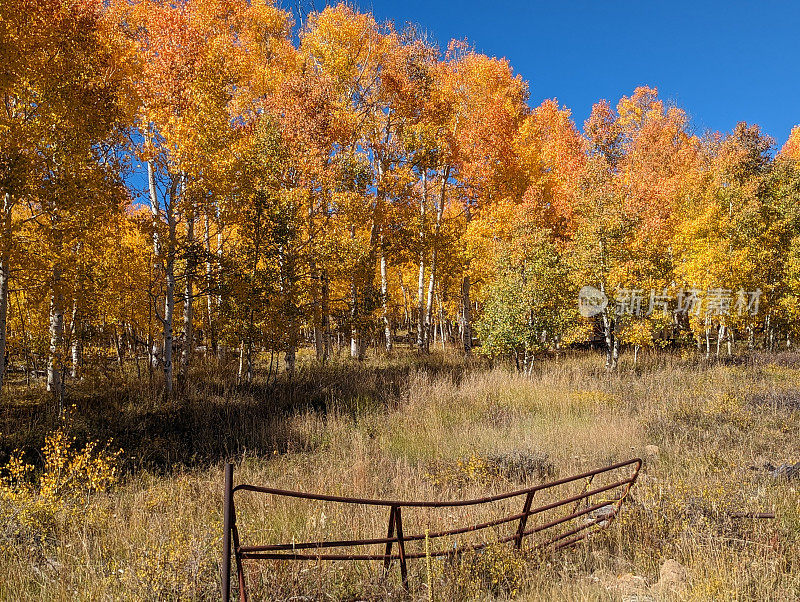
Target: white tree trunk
point(188, 295)
point(211, 335)
point(611, 341)
point(169, 310)
point(54, 357)
point(406, 313)
point(155, 210)
point(441, 322)
point(4, 275)
point(241, 363)
point(326, 321)
point(355, 345)
point(466, 314)
point(355, 336)
point(221, 350)
point(387, 327)
point(421, 278)
point(75, 340)
point(165, 258)
point(434, 258)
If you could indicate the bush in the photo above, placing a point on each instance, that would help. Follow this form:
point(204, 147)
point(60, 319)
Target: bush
point(31, 504)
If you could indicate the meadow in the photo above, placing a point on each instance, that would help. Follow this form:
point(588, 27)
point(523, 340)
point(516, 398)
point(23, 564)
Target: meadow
point(146, 523)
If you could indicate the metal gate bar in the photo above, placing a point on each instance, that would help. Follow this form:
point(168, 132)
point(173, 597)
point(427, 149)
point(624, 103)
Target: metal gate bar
point(287, 551)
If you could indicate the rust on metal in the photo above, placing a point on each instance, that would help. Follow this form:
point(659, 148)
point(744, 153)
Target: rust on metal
point(594, 515)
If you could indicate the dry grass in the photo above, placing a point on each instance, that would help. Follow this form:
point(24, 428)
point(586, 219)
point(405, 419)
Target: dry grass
point(404, 428)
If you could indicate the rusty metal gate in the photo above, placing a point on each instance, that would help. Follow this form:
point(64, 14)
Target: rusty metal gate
point(561, 531)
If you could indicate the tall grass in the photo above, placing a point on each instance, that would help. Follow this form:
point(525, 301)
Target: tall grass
point(435, 428)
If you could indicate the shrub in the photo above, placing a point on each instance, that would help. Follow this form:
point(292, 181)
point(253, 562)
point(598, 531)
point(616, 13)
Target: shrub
point(31, 503)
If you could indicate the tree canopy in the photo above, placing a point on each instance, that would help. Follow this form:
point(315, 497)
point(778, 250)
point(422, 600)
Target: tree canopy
point(208, 177)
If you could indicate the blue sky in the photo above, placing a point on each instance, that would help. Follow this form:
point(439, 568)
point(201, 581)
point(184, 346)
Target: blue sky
point(722, 62)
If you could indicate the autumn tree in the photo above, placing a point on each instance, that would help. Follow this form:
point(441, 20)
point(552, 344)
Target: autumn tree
point(635, 176)
point(191, 57)
point(62, 99)
point(489, 104)
point(728, 239)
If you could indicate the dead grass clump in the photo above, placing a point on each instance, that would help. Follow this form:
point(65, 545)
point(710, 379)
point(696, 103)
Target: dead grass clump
point(787, 400)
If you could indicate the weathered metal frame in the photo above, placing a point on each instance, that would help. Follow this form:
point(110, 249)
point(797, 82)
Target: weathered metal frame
point(395, 535)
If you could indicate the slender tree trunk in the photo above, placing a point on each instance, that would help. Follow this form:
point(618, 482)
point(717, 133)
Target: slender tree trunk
point(75, 340)
point(287, 286)
point(326, 316)
point(319, 342)
point(169, 293)
point(212, 332)
point(188, 295)
point(25, 337)
point(466, 316)
point(5, 275)
point(435, 256)
point(151, 359)
point(76, 320)
point(155, 209)
point(355, 314)
point(221, 350)
point(423, 203)
point(612, 348)
point(240, 373)
point(246, 351)
point(421, 305)
point(387, 327)
point(132, 337)
point(119, 346)
point(355, 344)
point(406, 313)
point(441, 321)
point(429, 303)
point(54, 358)
point(316, 289)
point(169, 310)
point(250, 363)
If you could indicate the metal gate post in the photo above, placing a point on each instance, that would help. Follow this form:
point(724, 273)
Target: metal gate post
point(227, 506)
point(523, 520)
point(388, 554)
point(401, 547)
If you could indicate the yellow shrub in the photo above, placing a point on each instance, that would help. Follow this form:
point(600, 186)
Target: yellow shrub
point(30, 507)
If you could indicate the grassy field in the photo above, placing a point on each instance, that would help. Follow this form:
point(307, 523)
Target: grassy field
point(147, 525)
